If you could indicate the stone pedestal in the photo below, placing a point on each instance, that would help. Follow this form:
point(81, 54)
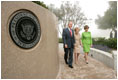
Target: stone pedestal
point(38, 61)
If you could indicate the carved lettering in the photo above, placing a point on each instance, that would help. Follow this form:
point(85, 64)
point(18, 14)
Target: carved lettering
point(23, 29)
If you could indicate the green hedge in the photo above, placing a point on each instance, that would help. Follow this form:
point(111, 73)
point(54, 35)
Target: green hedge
point(99, 41)
point(60, 40)
point(111, 42)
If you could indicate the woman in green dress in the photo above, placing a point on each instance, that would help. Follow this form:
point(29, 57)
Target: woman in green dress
point(87, 42)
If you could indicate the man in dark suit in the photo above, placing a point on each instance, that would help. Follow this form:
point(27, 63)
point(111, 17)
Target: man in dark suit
point(68, 41)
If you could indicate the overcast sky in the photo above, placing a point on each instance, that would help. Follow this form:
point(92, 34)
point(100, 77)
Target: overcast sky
point(91, 9)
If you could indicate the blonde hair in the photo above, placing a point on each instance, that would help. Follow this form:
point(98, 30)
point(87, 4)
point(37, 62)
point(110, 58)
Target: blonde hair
point(76, 29)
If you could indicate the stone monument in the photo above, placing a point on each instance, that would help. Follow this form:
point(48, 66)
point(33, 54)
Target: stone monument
point(113, 33)
point(29, 43)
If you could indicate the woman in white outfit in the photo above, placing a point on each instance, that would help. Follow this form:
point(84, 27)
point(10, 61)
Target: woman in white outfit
point(77, 45)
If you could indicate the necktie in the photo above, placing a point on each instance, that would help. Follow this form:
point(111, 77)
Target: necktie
point(71, 32)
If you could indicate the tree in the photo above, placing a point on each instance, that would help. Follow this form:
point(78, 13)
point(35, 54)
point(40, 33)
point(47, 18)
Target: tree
point(109, 20)
point(69, 12)
point(41, 4)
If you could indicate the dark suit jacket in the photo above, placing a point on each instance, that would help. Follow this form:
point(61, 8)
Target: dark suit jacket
point(67, 39)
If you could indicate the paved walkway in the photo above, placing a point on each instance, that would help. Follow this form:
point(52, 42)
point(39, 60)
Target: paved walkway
point(93, 70)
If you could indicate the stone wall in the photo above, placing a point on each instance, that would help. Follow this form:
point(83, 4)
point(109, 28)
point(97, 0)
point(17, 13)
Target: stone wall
point(109, 59)
point(41, 61)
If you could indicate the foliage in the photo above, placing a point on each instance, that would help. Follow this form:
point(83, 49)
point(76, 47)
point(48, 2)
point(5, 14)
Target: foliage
point(109, 20)
point(69, 12)
point(111, 42)
point(99, 41)
point(41, 4)
point(60, 40)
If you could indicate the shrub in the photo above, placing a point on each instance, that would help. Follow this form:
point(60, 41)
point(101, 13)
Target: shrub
point(111, 42)
point(100, 41)
point(60, 40)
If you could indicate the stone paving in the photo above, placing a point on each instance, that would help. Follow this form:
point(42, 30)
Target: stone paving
point(93, 70)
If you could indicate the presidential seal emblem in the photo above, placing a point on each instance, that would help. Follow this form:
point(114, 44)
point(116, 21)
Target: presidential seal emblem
point(25, 29)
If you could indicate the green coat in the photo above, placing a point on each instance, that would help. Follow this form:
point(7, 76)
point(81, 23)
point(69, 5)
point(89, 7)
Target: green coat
point(86, 41)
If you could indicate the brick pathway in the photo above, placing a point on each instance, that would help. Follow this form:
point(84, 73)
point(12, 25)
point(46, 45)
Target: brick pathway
point(93, 70)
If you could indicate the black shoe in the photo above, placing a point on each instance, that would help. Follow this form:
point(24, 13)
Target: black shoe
point(66, 62)
point(70, 66)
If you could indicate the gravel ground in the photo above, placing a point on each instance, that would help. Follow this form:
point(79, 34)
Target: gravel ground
point(93, 70)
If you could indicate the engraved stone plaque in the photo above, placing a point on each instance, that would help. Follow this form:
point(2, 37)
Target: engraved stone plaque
point(29, 41)
point(25, 30)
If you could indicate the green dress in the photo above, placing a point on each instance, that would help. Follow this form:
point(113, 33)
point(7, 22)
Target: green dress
point(86, 41)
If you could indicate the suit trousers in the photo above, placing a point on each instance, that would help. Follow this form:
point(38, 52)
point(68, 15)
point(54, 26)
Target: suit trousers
point(70, 52)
